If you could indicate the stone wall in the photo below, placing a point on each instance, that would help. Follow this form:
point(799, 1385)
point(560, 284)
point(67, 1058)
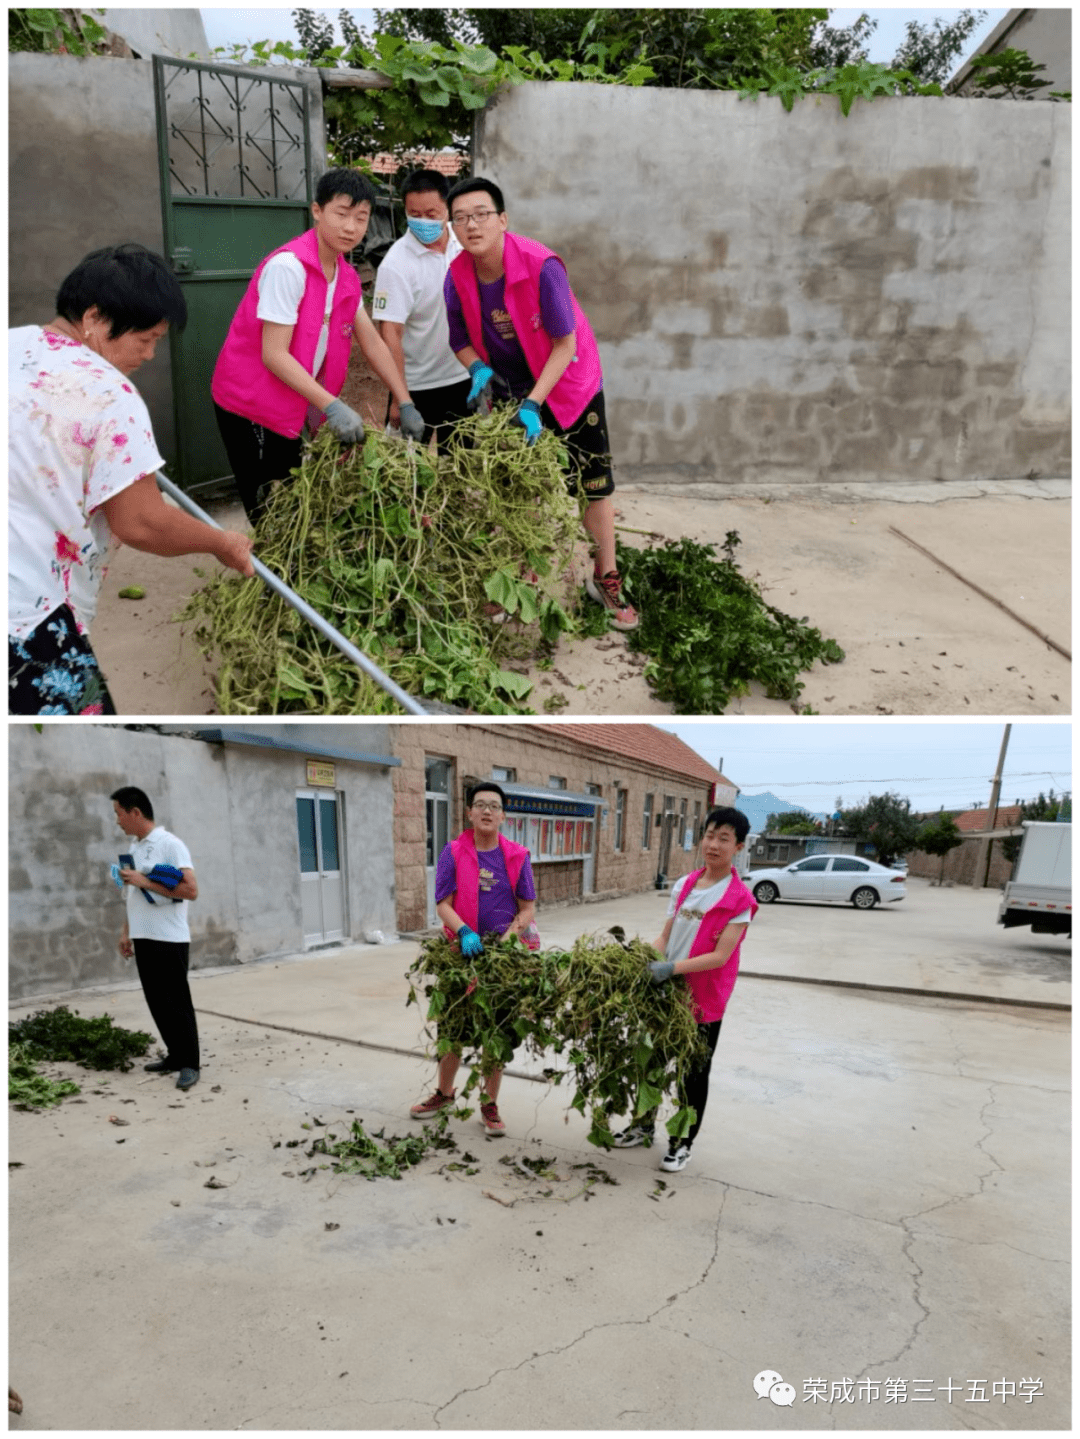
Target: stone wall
point(803, 297)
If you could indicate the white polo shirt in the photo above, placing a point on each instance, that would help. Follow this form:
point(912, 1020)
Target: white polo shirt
point(409, 292)
point(165, 918)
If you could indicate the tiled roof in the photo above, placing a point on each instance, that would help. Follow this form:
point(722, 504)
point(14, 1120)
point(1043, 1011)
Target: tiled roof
point(642, 742)
point(447, 162)
point(973, 820)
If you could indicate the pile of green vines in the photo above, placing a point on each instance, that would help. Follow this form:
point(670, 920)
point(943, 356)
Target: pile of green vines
point(28, 1088)
point(708, 630)
point(62, 1033)
point(400, 551)
point(626, 1042)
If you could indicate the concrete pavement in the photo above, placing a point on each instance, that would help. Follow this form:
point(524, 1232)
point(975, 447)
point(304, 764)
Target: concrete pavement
point(879, 1195)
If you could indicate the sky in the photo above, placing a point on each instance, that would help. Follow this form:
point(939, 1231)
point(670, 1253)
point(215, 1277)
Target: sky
point(224, 26)
point(934, 764)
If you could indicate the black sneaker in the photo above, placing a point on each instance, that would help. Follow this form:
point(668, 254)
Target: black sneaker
point(677, 1157)
point(635, 1135)
point(188, 1078)
point(161, 1066)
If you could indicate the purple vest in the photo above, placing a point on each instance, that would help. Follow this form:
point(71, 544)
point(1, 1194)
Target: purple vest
point(523, 259)
point(241, 381)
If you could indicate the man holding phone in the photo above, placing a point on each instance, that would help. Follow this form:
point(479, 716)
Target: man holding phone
point(157, 934)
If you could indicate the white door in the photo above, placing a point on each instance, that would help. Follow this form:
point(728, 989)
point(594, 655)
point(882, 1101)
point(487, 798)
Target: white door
point(805, 879)
point(437, 806)
point(322, 888)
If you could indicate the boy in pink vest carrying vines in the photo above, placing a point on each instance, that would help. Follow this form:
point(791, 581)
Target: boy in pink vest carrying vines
point(515, 323)
point(707, 920)
point(483, 885)
point(286, 356)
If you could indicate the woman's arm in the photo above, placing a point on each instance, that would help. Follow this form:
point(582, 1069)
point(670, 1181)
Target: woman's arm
point(449, 915)
point(276, 340)
point(665, 935)
point(139, 517)
point(524, 917)
point(729, 938)
point(392, 332)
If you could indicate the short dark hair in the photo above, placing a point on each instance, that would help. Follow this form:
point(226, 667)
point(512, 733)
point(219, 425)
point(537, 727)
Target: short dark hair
point(130, 286)
point(478, 185)
point(130, 796)
point(420, 182)
point(480, 787)
point(353, 184)
point(726, 815)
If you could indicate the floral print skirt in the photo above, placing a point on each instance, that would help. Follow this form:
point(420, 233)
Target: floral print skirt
point(54, 671)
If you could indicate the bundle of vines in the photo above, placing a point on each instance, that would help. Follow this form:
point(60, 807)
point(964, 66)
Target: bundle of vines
point(591, 1011)
point(406, 554)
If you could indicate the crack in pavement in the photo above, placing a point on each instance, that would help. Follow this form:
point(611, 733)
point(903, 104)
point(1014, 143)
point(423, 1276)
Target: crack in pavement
point(595, 1328)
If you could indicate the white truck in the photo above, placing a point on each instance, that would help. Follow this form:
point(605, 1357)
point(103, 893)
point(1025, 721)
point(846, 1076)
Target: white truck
point(1040, 891)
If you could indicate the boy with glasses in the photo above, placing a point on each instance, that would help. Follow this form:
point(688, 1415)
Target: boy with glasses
point(514, 322)
point(483, 885)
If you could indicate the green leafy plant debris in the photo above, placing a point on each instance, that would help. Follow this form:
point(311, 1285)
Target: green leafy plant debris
point(28, 1088)
point(375, 1156)
point(625, 1042)
point(708, 630)
point(62, 1033)
point(406, 555)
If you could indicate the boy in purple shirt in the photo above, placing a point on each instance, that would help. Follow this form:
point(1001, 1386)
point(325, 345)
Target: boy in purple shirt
point(483, 885)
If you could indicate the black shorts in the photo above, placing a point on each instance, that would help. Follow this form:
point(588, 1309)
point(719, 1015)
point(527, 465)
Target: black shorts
point(589, 447)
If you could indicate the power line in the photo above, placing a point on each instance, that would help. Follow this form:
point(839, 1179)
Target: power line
point(902, 779)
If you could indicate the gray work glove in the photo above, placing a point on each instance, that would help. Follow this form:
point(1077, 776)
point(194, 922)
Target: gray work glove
point(661, 969)
point(412, 423)
point(345, 423)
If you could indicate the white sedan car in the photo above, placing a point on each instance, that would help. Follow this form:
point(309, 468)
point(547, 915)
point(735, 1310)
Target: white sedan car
point(834, 878)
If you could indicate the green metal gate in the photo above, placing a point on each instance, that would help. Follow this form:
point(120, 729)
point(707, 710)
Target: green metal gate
point(235, 162)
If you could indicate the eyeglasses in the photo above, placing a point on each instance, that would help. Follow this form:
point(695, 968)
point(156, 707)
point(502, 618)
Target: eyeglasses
point(486, 808)
point(479, 217)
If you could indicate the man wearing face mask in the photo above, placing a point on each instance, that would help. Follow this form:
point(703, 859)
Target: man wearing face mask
point(409, 306)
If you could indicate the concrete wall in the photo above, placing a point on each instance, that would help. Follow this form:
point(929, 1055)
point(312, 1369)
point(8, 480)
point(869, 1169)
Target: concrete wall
point(159, 32)
point(805, 297)
point(83, 173)
point(1046, 35)
point(535, 753)
point(233, 806)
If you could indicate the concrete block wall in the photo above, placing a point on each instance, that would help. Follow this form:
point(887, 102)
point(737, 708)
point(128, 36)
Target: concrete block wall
point(536, 753)
point(803, 297)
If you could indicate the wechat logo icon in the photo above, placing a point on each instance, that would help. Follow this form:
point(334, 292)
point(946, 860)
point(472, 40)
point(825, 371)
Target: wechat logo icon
point(770, 1384)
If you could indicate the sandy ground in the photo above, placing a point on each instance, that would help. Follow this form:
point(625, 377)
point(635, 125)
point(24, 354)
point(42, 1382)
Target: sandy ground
point(917, 639)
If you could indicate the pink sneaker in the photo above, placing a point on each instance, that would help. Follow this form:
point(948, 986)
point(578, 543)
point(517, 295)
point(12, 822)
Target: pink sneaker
point(490, 1118)
point(428, 1108)
point(606, 590)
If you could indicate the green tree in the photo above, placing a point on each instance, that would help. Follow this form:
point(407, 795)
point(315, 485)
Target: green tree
point(1048, 808)
point(1012, 75)
point(940, 836)
point(793, 821)
point(930, 52)
point(58, 32)
point(886, 822)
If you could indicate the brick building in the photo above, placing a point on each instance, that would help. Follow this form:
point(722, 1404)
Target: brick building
point(603, 808)
point(966, 863)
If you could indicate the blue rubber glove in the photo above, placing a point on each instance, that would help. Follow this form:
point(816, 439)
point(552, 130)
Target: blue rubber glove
point(345, 422)
point(412, 423)
point(661, 970)
point(470, 942)
point(114, 870)
point(481, 376)
point(529, 419)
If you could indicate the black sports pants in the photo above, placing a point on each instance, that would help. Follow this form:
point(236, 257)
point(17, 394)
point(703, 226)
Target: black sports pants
point(163, 972)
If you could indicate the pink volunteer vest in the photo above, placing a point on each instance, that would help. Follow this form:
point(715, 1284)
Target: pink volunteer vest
point(466, 898)
point(523, 259)
point(710, 989)
point(243, 384)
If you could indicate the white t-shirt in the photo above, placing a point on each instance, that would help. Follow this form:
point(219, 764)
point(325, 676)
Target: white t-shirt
point(165, 918)
point(281, 288)
point(698, 903)
point(409, 292)
point(79, 433)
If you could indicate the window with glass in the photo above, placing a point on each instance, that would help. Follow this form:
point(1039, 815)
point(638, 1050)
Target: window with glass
point(556, 781)
point(620, 819)
point(646, 822)
point(501, 775)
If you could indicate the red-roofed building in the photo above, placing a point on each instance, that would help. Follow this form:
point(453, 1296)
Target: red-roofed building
point(603, 808)
point(966, 864)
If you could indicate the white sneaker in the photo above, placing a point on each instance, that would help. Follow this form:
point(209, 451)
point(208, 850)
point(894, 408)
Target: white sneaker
point(632, 1137)
point(677, 1157)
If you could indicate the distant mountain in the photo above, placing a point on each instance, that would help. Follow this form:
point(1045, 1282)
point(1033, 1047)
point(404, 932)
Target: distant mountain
point(758, 807)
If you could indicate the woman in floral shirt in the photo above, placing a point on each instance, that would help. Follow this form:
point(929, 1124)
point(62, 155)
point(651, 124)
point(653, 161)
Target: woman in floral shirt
point(82, 463)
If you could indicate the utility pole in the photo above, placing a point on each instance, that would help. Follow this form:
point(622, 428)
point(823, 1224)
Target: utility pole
point(983, 866)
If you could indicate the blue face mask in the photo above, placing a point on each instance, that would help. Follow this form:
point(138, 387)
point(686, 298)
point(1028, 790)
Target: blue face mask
point(426, 231)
